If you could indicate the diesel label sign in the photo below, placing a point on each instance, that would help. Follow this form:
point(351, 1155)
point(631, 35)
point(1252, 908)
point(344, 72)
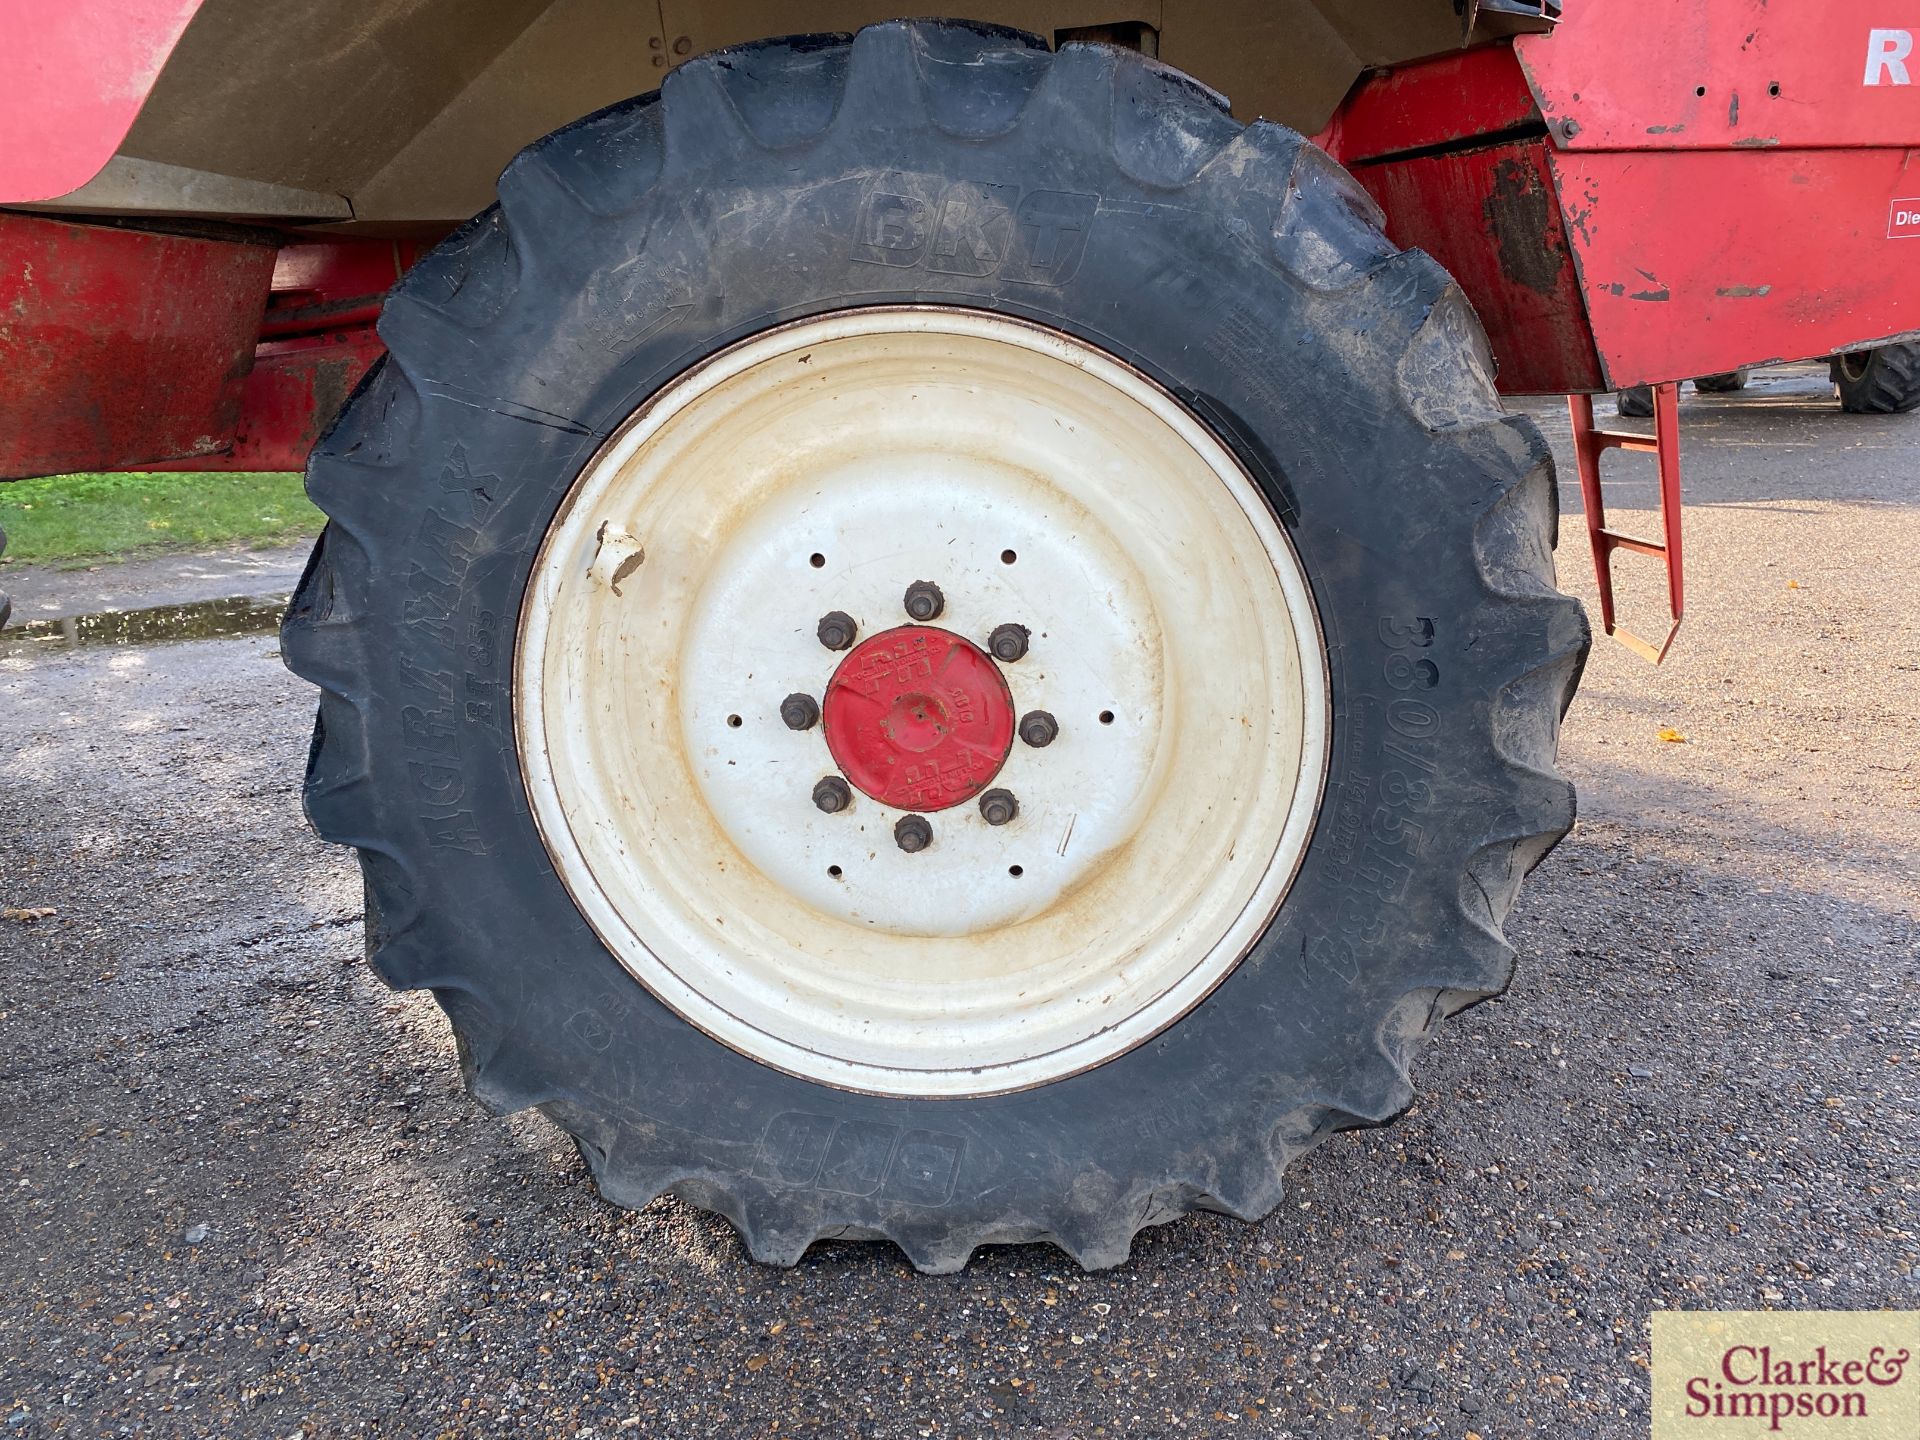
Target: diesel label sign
point(1903, 220)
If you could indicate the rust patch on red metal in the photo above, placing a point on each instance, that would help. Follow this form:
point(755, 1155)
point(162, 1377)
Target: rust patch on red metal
point(918, 718)
point(1523, 218)
point(1493, 216)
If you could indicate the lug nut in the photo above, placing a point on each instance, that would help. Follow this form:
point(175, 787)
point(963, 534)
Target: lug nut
point(801, 712)
point(912, 833)
point(997, 807)
point(836, 630)
point(1007, 642)
point(1038, 728)
point(924, 601)
point(832, 794)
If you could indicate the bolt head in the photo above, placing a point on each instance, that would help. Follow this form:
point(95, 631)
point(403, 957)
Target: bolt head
point(912, 833)
point(1038, 728)
point(832, 794)
point(1008, 642)
point(836, 630)
point(998, 807)
point(924, 601)
point(800, 712)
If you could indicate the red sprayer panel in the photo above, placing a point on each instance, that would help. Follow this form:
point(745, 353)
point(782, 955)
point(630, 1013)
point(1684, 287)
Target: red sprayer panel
point(316, 341)
point(1660, 190)
point(1739, 199)
point(1492, 217)
point(1796, 253)
point(295, 389)
point(120, 346)
point(1432, 105)
point(1719, 74)
point(73, 74)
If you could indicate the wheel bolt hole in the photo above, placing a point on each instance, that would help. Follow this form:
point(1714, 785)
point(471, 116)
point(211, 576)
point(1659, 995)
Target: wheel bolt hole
point(734, 721)
point(1015, 871)
point(1007, 557)
point(835, 871)
point(817, 560)
point(1106, 717)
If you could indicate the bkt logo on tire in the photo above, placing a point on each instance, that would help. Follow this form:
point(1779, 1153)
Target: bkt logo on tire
point(972, 228)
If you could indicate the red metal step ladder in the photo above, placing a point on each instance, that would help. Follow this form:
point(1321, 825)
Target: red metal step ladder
point(1589, 442)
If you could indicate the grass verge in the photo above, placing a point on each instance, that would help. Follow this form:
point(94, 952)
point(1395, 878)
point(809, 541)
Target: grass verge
point(65, 518)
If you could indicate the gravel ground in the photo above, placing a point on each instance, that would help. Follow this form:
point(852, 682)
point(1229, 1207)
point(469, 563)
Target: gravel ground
point(245, 1194)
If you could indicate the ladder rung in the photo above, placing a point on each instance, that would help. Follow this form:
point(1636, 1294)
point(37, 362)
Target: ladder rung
point(1633, 543)
point(1627, 440)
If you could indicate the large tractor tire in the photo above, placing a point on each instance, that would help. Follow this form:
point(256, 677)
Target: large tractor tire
point(1882, 381)
point(927, 639)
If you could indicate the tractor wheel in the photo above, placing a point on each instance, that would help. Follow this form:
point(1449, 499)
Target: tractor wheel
point(1882, 381)
point(1635, 401)
point(927, 639)
point(1725, 383)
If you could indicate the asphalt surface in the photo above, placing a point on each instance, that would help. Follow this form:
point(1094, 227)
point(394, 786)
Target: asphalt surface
point(244, 1193)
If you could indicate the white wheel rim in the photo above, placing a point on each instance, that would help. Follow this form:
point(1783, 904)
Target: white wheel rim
point(826, 465)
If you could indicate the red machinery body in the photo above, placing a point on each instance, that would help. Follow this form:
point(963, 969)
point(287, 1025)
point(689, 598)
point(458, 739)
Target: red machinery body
point(316, 340)
point(1645, 196)
point(121, 346)
point(1640, 198)
point(1653, 191)
point(73, 75)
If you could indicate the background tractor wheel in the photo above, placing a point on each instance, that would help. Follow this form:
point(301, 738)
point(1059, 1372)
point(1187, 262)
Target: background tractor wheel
point(927, 639)
point(1723, 383)
point(1882, 381)
point(1636, 401)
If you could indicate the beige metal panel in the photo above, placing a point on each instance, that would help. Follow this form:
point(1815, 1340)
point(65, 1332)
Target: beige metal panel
point(1281, 59)
point(583, 54)
point(577, 57)
point(148, 187)
point(316, 94)
point(409, 108)
point(697, 25)
point(1389, 32)
point(1294, 60)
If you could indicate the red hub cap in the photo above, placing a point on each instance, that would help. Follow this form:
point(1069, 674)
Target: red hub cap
point(918, 718)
